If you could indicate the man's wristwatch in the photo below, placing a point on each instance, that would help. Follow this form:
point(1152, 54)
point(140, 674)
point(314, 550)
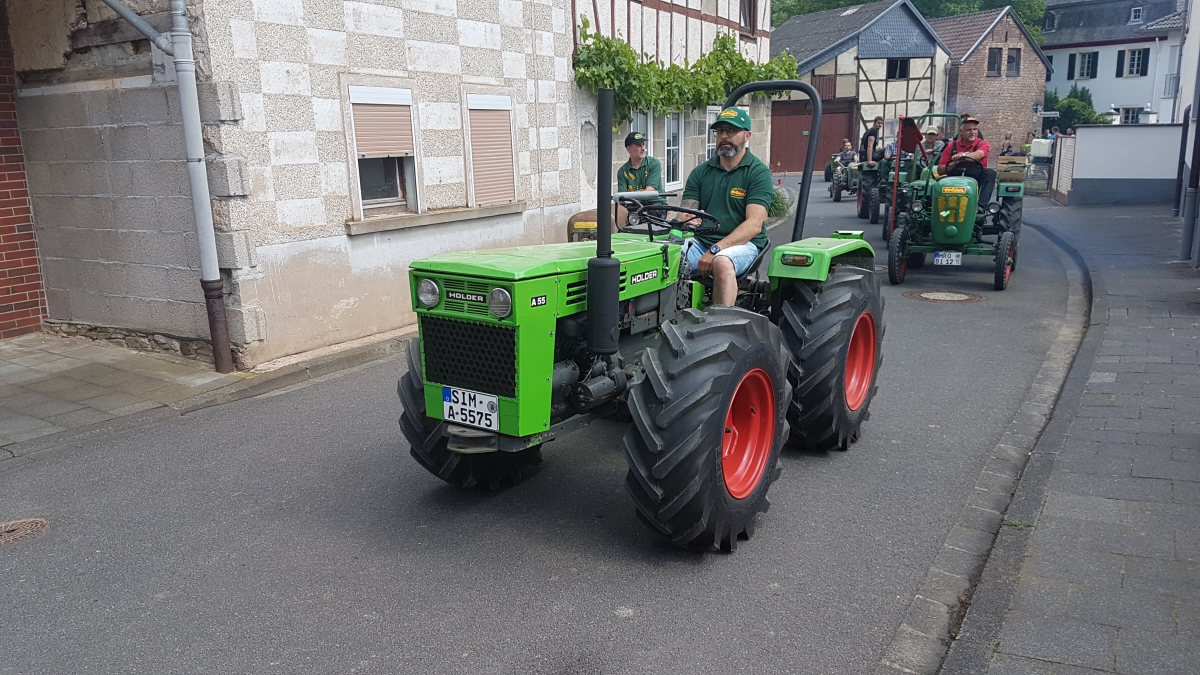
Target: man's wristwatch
point(714, 249)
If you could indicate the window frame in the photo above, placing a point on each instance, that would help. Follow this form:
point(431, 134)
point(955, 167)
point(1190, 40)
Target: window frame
point(670, 185)
point(1136, 15)
point(998, 52)
point(710, 139)
point(476, 98)
point(1137, 110)
point(1050, 22)
point(1050, 70)
point(901, 64)
point(748, 10)
point(1080, 59)
point(381, 91)
point(648, 132)
point(1129, 60)
point(1008, 62)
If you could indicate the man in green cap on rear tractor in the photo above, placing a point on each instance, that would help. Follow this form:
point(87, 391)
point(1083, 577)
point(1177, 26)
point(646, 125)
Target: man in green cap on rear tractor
point(641, 172)
point(736, 188)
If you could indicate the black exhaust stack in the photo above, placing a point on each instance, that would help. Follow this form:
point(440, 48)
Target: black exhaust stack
point(604, 271)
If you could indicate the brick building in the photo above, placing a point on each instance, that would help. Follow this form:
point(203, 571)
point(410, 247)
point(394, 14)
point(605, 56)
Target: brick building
point(997, 72)
point(22, 298)
point(344, 139)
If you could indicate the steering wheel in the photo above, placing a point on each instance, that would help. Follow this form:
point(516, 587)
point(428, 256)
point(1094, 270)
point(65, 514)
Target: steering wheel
point(655, 218)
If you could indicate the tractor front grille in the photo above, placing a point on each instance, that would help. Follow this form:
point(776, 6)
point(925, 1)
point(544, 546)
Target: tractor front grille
point(470, 355)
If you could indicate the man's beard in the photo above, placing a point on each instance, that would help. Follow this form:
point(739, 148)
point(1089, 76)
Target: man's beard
point(729, 150)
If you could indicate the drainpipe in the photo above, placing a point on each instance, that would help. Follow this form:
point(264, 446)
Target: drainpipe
point(1188, 250)
point(1183, 139)
point(179, 45)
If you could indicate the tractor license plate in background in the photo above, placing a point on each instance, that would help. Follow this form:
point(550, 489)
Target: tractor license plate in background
point(472, 408)
point(947, 258)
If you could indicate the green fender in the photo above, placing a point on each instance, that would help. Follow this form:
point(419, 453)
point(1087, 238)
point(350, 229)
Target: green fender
point(811, 258)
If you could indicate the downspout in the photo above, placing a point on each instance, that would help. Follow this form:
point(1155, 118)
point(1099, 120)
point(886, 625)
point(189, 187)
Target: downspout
point(1183, 139)
point(179, 45)
point(1190, 240)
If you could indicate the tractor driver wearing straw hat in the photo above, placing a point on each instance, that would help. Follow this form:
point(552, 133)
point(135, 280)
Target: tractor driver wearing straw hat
point(736, 188)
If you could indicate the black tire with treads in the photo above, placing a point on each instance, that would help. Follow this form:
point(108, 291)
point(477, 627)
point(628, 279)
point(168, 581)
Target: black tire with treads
point(674, 446)
point(428, 445)
point(1010, 219)
point(873, 205)
point(898, 256)
point(817, 324)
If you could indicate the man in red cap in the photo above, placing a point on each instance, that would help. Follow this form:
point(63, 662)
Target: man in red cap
point(967, 155)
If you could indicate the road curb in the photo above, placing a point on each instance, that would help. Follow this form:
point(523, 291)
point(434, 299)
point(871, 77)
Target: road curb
point(938, 609)
point(980, 632)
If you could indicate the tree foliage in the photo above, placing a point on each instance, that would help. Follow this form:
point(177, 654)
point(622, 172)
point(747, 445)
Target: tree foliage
point(1030, 11)
point(1073, 110)
point(645, 85)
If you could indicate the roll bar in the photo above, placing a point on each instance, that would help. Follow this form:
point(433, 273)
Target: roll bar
point(811, 157)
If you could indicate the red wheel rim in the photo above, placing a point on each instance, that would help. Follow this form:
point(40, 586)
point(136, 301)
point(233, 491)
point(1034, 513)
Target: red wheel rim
point(860, 361)
point(749, 434)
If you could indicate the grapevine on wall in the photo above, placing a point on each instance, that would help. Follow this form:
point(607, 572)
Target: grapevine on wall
point(645, 85)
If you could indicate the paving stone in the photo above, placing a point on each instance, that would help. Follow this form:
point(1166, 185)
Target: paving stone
point(113, 400)
point(1185, 492)
point(41, 407)
point(1087, 508)
point(1075, 566)
point(81, 417)
point(1036, 596)
point(957, 562)
point(135, 408)
point(139, 385)
point(1099, 458)
point(24, 427)
point(1113, 487)
point(1072, 642)
point(1123, 608)
point(99, 374)
point(58, 365)
point(1154, 653)
point(1171, 577)
point(1007, 664)
point(81, 391)
point(1160, 467)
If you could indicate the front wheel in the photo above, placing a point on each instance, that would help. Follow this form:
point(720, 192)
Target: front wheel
point(898, 256)
point(873, 207)
point(1004, 260)
point(828, 173)
point(837, 192)
point(862, 202)
point(708, 424)
point(428, 445)
point(834, 331)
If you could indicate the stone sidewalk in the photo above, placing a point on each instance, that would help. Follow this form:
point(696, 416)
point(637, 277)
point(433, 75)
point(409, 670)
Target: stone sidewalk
point(51, 384)
point(1098, 566)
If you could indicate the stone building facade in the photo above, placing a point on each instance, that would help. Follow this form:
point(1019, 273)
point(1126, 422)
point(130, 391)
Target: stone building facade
point(997, 73)
point(345, 139)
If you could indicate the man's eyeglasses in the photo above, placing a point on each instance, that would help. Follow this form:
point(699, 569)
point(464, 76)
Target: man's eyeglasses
point(726, 131)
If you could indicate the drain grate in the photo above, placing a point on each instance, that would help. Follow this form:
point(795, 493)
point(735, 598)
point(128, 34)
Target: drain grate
point(17, 530)
point(944, 296)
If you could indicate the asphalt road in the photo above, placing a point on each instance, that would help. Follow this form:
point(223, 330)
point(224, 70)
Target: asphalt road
point(292, 533)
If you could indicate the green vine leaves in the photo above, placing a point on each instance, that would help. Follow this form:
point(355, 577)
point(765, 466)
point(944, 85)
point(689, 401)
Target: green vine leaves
point(646, 85)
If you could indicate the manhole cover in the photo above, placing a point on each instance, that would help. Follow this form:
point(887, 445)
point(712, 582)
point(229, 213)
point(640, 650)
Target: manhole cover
point(19, 529)
point(943, 296)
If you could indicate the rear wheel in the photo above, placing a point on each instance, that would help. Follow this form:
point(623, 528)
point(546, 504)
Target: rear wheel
point(1010, 219)
point(428, 445)
point(873, 207)
point(862, 201)
point(898, 256)
point(835, 333)
point(708, 424)
point(828, 173)
point(1004, 265)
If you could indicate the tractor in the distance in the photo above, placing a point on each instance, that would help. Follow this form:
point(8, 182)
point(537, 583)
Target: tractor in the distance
point(844, 178)
point(521, 346)
point(941, 215)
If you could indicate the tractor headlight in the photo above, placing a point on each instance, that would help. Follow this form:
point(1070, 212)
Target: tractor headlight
point(994, 208)
point(428, 293)
point(918, 206)
point(500, 303)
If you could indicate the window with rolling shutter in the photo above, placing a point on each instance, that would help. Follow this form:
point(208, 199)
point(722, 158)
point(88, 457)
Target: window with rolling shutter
point(383, 144)
point(490, 121)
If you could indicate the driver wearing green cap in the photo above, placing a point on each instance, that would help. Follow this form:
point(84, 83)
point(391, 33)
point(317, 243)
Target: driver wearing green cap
point(736, 188)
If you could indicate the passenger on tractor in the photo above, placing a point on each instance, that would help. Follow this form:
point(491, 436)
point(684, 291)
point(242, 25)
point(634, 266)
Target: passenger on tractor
point(932, 144)
point(870, 145)
point(736, 188)
point(889, 159)
point(641, 172)
point(967, 156)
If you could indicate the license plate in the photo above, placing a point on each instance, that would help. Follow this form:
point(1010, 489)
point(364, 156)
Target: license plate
point(472, 408)
point(947, 258)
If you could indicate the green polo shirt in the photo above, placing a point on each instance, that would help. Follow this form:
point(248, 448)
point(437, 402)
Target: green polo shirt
point(648, 175)
point(725, 194)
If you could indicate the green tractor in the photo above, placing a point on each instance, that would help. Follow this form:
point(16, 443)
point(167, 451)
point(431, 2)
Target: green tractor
point(870, 177)
point(521, 346)
point(941, 215)
point(844, 178)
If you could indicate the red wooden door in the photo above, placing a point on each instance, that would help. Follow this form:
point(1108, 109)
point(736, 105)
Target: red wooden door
point(791, 125)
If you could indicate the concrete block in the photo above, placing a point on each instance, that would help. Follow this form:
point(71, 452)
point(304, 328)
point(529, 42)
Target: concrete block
point(82, 144)
point(227, 177)
point(219, 102)
point(148, 179)
point(247, 324)
point(149, 104)
point(174, 214)
point(140, 247)
point(236, 250)
point(165, 142)
point(148, 315)
point(56, 111)
point(43, 145)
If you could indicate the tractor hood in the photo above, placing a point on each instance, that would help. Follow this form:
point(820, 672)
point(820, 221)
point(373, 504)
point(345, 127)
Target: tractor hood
point(529, 262)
